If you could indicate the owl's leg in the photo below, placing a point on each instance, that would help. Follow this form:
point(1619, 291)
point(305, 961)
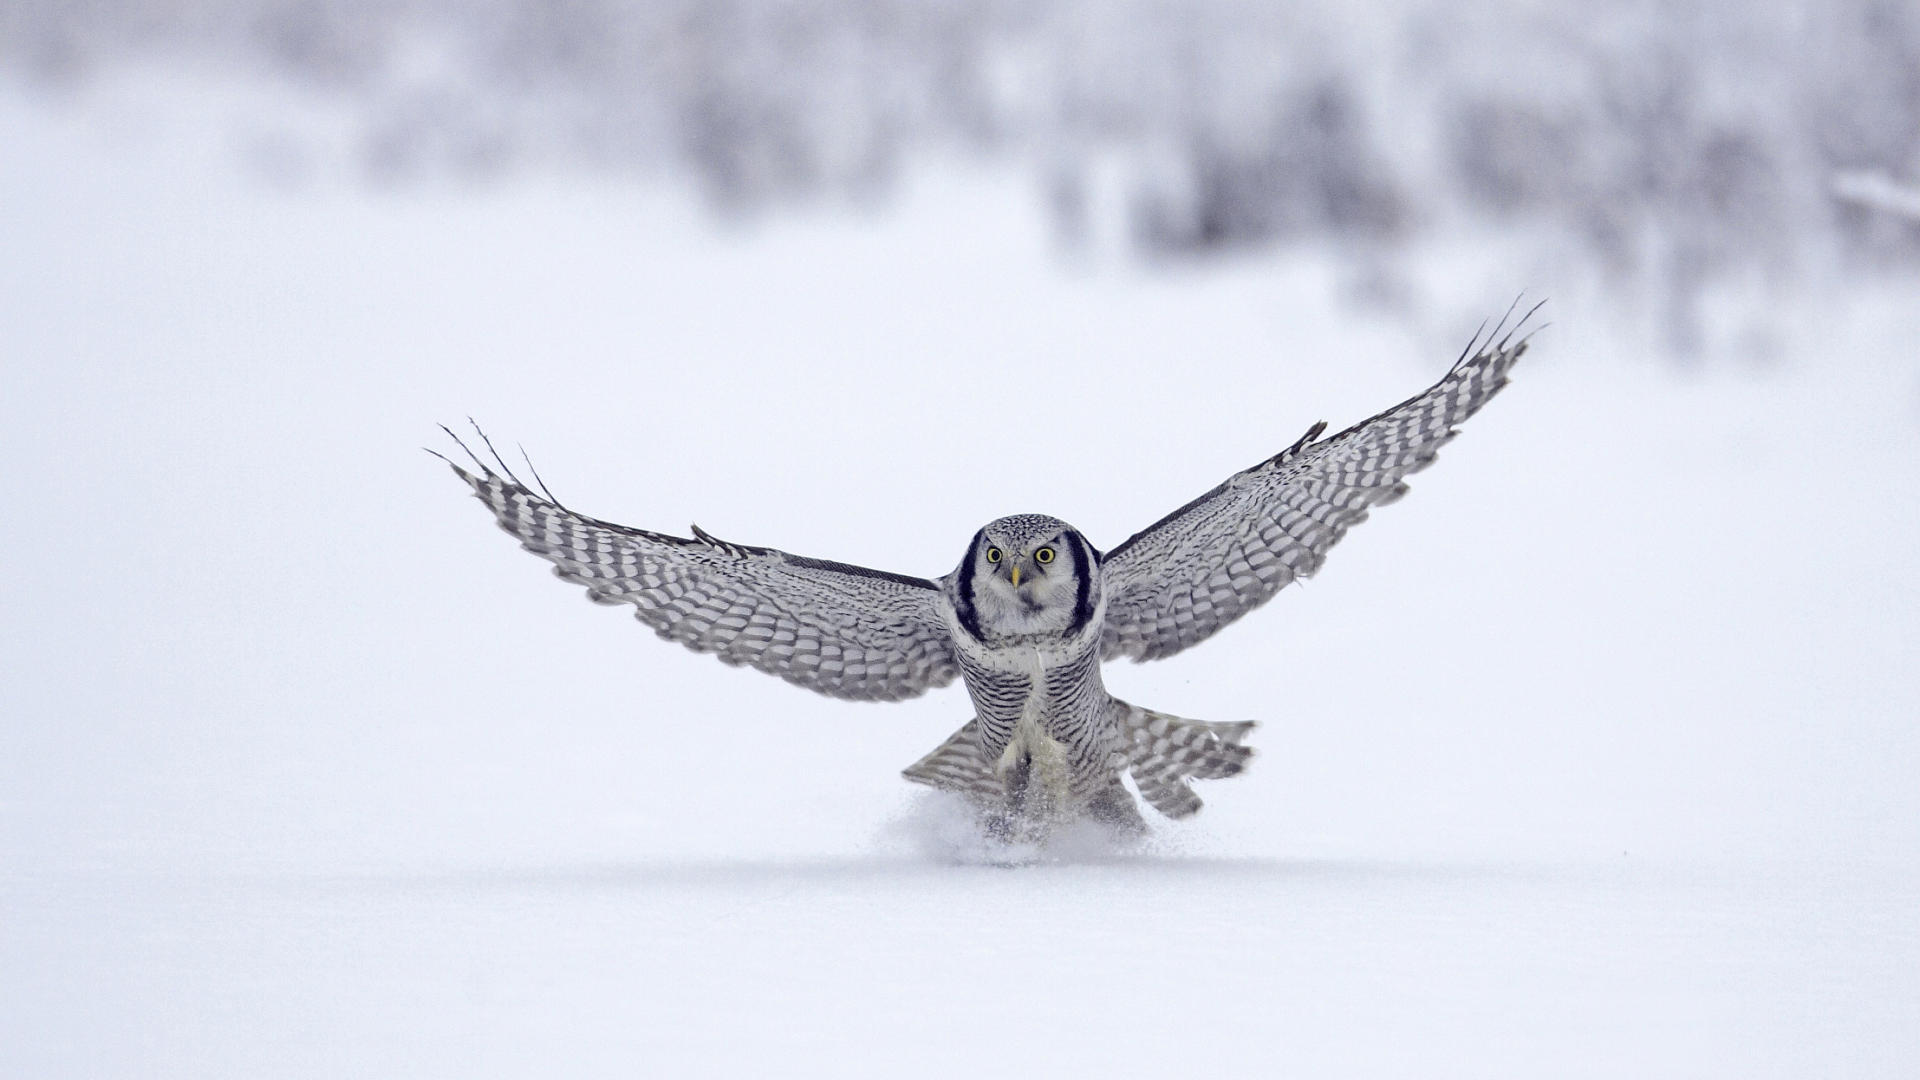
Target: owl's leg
point(1007, 804)
point(1026, 813)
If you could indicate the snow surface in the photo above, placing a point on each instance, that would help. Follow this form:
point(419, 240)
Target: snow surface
point(1595, 756)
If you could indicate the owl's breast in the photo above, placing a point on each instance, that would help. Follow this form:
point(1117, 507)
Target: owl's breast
point(1042, 702)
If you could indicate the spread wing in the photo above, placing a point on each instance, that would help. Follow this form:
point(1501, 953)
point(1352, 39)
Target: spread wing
point(844, 631)
point(1227, 552)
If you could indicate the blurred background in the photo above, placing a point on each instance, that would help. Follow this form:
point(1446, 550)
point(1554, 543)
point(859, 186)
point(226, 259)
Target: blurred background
point(1685, 158)
point(1594, 756)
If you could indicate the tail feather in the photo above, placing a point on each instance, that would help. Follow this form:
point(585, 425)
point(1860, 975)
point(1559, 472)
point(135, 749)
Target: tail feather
point(958, 765)
point(1162, 753)
point(1165, 752)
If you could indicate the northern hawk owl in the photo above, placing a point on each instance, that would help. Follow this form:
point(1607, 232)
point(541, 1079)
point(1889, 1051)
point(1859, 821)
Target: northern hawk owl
point(1029, 615)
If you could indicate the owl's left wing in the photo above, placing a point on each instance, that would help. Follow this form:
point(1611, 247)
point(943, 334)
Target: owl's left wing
point(1229, 551)
point(840, 630)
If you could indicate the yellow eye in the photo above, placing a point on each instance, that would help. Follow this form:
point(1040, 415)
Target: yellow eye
point(993, 554)
point(1043, 556)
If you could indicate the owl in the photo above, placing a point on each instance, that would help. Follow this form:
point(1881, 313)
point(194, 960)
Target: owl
point(1029, 615)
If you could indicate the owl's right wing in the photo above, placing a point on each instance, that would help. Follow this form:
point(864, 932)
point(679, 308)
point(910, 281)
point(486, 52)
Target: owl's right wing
point(1220, 556)
point(844, 631)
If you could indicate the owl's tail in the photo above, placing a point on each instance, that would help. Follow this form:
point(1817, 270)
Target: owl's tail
point(958, 765)
point(1164, 752)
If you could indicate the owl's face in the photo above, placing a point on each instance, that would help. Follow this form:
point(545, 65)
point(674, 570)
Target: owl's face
point(1029, 574)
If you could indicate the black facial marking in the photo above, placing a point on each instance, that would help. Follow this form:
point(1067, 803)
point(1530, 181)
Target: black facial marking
point(963, 589)
point(1083, 566)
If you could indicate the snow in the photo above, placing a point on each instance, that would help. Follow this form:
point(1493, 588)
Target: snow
point(1594, 756)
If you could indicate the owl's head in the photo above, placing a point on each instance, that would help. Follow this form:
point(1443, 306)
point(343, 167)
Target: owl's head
point(1028, 574)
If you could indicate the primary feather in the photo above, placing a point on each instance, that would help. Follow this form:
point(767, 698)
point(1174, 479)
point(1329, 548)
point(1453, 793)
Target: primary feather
point(1191, 573)
point(844, 631)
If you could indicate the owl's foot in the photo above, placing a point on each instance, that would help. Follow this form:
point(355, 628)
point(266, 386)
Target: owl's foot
point(1016, 823)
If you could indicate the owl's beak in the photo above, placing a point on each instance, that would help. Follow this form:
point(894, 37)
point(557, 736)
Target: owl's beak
point(1015, 574)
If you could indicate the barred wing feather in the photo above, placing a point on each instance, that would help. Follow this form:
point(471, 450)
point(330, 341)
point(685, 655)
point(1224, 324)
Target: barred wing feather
point(1229, 551)
point(840, 630)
